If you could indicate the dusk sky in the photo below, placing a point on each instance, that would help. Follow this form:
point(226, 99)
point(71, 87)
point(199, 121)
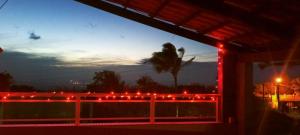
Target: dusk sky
point(80, 35)
point(50, 42)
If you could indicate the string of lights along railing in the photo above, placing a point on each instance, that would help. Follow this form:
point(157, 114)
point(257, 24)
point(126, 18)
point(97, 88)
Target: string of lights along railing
point(152, 101)
point(92, 96)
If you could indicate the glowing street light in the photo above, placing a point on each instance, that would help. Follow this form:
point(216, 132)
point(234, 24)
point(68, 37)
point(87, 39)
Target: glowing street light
point(278, 81)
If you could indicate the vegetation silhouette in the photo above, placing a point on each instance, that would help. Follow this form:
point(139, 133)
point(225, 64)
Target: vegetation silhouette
point(6, 81)
point(146, 83)
point(168, 60)
point(106, 80)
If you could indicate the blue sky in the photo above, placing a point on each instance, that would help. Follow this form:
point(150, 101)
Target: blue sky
point(80, 35)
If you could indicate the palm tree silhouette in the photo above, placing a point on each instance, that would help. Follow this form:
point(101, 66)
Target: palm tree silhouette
point(168, 60)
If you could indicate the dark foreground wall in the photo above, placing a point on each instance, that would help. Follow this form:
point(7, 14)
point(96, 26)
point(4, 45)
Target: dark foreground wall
point(201, 129)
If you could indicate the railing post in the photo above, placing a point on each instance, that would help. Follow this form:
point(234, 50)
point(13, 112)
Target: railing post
point(1, 112)
point(217, 109)
point(77, 111)
point(152, 110)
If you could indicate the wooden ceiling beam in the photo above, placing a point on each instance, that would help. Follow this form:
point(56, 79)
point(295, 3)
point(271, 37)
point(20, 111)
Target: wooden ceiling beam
point(188, 18)
point(157, 23)
point(252, 19)
point(126, 3)
point(215, 27)
point(159, 8)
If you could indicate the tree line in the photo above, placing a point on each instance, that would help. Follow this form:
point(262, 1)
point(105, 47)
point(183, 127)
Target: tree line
point(169, 60)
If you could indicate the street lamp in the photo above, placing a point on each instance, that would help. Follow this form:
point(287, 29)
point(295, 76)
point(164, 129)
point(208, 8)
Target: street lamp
point(278, 81)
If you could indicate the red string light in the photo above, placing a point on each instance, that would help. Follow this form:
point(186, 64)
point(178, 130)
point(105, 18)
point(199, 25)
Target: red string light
point(185, 92)
point(126, 96)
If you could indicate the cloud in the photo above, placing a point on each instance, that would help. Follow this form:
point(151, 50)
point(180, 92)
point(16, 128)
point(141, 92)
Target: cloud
point(34, 36)
point(96, 61)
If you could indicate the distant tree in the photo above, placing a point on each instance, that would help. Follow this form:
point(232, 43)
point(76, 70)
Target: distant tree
point(146, 83)
point(265, 88)
point(22, 88)
point(197, 88)
point(268, 88)
point(105, 81)
point(168, 60)
point(6, 81)
point(295, 85)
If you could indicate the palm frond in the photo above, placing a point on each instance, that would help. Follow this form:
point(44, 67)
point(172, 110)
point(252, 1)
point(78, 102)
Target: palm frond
point(181, 52)
point(188, 62)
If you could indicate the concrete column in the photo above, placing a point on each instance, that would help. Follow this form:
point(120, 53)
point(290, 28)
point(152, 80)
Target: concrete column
point(237, 90)
point(244, 94)
point(229, 91)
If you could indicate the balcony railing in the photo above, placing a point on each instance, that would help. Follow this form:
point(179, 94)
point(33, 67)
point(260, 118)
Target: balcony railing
point(75, 109)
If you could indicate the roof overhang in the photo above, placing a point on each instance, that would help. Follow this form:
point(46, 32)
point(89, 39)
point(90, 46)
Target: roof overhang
point(239, 26)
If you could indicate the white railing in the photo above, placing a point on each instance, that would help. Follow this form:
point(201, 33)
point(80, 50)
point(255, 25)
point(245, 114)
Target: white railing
point(79, 98)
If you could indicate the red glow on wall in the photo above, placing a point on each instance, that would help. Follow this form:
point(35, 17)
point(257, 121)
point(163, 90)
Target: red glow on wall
point(221, 53)
point(220, 66)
